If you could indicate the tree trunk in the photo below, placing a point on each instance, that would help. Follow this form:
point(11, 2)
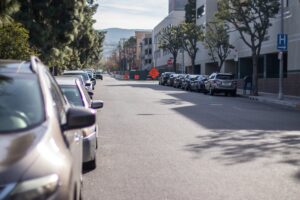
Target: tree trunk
point(175, 63)
point(254, 90)
point(193, 64)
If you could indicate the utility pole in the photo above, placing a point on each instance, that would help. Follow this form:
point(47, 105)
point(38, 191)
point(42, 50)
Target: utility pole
point(280, 93)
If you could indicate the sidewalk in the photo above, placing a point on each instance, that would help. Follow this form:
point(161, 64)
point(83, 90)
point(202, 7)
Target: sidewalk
point(288, 101)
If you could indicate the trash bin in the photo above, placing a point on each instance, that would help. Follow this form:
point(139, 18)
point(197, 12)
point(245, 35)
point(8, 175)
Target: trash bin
point(247, 84)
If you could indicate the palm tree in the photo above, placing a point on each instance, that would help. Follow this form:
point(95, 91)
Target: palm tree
point(7, 9)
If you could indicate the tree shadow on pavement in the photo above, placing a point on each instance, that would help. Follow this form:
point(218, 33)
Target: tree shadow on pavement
point(240, 130)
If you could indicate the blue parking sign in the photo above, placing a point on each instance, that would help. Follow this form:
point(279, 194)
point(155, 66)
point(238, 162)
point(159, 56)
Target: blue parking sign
point(282, 42)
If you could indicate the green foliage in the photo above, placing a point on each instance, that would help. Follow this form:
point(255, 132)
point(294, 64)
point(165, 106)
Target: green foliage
point(192, 34)
point(62, 31)
point(251, 18)
point(170, 39)
point(7, 9)
point(14, 42)
point(190, 12)
point(217, 41)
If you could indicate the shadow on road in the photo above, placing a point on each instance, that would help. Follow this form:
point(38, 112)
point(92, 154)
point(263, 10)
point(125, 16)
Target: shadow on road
point(241, 130)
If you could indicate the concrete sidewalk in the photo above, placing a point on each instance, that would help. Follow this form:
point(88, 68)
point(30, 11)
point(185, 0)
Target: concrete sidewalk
point(288, 101)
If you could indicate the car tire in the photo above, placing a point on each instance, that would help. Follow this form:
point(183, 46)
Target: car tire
point(91, 165)
point(233, 93)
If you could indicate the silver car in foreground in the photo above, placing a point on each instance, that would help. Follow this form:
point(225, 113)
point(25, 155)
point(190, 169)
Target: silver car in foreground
point(78, 96)
point(40, 141)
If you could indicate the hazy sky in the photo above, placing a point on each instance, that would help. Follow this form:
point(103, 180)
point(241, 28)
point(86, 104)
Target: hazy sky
point(132, 14)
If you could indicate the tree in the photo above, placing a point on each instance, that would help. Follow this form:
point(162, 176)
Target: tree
point(217, 42)
point(192, 34)
point(170, 39)
point(190, 12)
point(52, 24)
point(7, 9)
point(251, 18)
point(14, 42)
point(62, 31)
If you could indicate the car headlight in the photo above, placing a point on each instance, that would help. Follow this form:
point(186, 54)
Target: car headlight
point(40, 188)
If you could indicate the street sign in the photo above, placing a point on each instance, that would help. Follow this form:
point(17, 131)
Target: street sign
point(170, 61)
point(282, 42)
point(154, 73)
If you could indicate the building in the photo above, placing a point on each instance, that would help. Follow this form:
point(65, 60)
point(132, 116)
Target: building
point(240, 63)
point(139, 35)
point(177, 5)
point(176, 16)
point(146, 52)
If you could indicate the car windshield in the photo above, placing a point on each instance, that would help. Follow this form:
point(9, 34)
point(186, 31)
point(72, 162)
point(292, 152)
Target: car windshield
point(72, 94)
point(224, 77)
point(21, 104)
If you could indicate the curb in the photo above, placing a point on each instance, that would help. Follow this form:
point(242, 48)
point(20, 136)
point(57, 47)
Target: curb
point(275, 102)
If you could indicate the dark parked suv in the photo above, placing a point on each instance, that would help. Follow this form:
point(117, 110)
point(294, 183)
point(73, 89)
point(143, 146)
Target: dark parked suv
point(41, 147)
point(221, 83)
point(164, 78)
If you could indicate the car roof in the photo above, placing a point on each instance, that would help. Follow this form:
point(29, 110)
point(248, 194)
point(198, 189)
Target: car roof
point(15, 66)
point(75, 71)
point(63, 80)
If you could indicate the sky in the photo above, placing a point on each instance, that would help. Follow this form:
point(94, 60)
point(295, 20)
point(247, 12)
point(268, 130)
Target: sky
point(130, 14)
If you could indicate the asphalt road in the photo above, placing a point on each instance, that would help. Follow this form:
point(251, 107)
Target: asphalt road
point(161, 143)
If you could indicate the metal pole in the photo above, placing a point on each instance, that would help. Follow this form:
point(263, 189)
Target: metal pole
point(280, 93)
point(182, 61)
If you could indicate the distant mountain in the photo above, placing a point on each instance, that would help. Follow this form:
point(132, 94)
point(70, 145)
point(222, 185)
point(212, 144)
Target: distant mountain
point(113, 36)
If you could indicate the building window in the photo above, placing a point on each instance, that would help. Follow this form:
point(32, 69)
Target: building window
point(200, 11)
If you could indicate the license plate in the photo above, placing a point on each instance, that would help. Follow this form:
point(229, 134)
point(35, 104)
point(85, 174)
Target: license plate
point(226, 84)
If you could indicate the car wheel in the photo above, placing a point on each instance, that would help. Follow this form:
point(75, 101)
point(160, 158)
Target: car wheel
point(91, 164)
point(211, 91)
point(233, 93)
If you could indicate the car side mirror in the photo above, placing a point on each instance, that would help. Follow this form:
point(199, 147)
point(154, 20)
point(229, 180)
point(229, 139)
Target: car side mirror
point(79, 118)
point(97, 104)
point(92, 79)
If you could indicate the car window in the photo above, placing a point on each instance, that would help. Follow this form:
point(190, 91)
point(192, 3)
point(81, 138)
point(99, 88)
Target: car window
point(72, 94)
point(224, 77)
point(21, 103)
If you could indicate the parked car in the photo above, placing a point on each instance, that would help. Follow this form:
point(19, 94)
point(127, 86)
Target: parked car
point(170, 81)
point(86, 77)
point(178, 80)
point(92, 76)
point(77, 96)
point(41, 147)
point(198, 84)
point(186, 84)
point(80, 77)
point(163, 79)
point(98, 75)
point(221, 83)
